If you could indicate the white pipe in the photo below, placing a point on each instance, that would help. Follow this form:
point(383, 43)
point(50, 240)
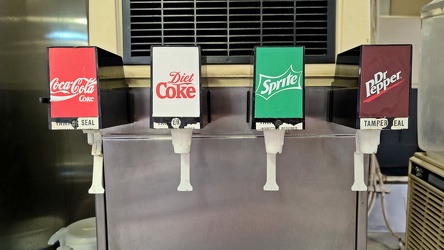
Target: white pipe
point(395, 179)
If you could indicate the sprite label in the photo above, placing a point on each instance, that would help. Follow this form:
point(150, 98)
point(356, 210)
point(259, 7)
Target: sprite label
point(279, 82)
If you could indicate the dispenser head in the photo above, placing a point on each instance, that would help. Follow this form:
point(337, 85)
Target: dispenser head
point(80, 94)
point(176, 89)
point(380, 98)
point(278, 99)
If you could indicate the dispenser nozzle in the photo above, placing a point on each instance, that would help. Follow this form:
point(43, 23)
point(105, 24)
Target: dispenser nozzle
point(182, 145)
point(274, 141)
point(359, 182)
point(95, 140)
point(367, 142)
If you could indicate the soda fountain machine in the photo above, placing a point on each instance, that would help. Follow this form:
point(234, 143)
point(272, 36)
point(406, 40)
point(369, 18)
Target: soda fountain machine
point(228, 208)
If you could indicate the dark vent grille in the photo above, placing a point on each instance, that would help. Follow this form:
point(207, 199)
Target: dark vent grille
point(227, 31)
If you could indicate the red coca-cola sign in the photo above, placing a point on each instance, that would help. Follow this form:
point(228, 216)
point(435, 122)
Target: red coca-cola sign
point(73, 82)
point(385, 81)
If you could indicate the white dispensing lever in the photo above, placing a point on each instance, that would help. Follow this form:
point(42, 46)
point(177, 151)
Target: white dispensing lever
point(95, 140)
point(367, 142)
point(181, 139)
point(274, 141)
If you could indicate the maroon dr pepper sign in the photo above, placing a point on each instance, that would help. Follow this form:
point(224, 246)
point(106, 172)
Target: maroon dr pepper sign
point(385, 82)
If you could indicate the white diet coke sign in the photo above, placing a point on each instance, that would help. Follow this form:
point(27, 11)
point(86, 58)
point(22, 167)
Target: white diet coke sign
point(73, 82)
point(175, 82)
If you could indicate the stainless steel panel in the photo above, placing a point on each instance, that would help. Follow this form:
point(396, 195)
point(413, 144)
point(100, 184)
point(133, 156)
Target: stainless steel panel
point(361, 219)
point(101, 222)
point(228, 208)
point(45, 175)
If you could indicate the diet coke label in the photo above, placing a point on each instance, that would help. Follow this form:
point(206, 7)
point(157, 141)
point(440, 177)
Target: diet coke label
point(179, 86)
point(73, 82)
point(385, 81)
point(175, 82)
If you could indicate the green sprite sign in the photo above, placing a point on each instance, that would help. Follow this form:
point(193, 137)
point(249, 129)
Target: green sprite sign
point(271, 85)
point(279, 82)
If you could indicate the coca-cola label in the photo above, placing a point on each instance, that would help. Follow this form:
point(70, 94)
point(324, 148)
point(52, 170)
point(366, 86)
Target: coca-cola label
point(73, 82)
point(385, 83)
point(80, 87)
point(175, 82)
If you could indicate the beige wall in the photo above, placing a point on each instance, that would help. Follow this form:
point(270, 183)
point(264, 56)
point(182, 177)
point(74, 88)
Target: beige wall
point(406, 7)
